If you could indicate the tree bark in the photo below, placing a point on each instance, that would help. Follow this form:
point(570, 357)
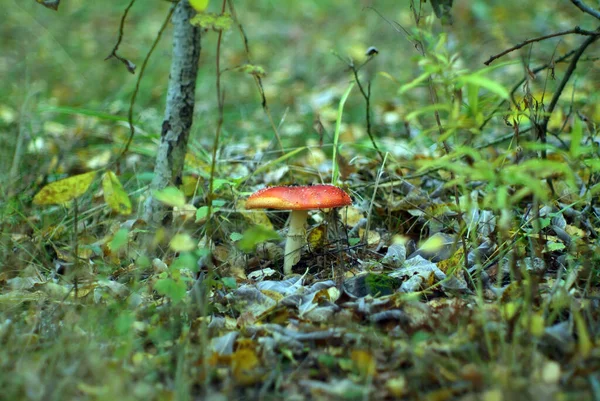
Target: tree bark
point(179, 111)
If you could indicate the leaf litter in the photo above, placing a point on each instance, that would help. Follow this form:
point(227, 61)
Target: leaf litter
point(367, 320)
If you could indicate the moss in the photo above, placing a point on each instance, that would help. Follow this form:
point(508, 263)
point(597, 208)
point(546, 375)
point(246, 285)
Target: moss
point(380, 284)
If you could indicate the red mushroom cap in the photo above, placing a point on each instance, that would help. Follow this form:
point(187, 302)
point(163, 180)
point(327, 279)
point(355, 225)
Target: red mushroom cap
point(299, 198)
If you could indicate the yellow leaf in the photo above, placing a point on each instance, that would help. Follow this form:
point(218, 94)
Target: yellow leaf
point(388, 76)
point(170, 196)
point(114, 194)
point(575, 231)
point(182, 243)
point(66, 190)
point(199, 5)
point(510, 310)
point(352, 216)
point(189, 185)
point(585, 342)
point(273, 295)
point(317, 236)
point(373, 236)
point(257, 217)
point(433, 243)
point(453, 264)
point(185, 213)
point(364, 363)
point(245, 366)
point(397, 386)
point(535, 323)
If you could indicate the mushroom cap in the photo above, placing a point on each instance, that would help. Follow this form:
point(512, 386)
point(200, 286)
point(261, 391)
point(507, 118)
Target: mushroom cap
point(299, 198)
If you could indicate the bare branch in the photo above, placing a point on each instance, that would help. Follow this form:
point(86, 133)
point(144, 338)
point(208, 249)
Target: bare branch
point(366, 95)
point(220, 119)
point(51, 4)
point(130, 66)
point(541, 130)
point(586, 9)
point(257, 77)
point(516, 86)
point(576, 30)
point(139, 80)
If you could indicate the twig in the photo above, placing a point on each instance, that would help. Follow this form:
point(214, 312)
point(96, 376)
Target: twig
point(586, 9)
point(209, 198)
point(518, 84)
point(542, 128)
point(139, 80)
point(423, 173)
point(366, 95)
point(220, 118)
point(25, 115)
point(257, 77)
point(130, 66)
point(576, 30)
point(75, 245)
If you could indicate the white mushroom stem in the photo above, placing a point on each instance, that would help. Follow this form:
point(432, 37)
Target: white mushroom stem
point(296, 238)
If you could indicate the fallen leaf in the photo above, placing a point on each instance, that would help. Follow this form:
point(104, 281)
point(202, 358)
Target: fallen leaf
point(65, 190)
point(114, 194)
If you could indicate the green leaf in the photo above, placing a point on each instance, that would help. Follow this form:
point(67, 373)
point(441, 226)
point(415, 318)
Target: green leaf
point(593, 164)
point(489, 84)
point(118, 240)
point(427, 109)
point(220, 182)
point(415, 82)
point(353, 241)
point(235, 236)
point(555, 246)
point(473, 96)
point(502, 197)
point(171, 196)
point(442, 9)
point(201, 213)
point(114, 194)
point(186, 260)
point(175, 290)
point(65, 190)
point(576, 137)
point(229, 282)
point(124, 321)
point(255, 235)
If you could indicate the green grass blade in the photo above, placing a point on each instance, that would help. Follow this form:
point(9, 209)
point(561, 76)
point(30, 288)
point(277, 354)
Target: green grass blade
point(82, 112)
point(336, 168)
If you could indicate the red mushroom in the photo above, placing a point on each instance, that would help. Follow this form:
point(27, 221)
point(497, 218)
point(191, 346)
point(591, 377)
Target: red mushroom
point(298, 199)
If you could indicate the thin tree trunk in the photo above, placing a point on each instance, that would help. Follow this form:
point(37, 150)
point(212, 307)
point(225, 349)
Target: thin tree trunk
point(179, 112)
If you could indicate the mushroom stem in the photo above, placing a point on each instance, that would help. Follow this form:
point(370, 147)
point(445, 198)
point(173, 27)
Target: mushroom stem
point(296, 238)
